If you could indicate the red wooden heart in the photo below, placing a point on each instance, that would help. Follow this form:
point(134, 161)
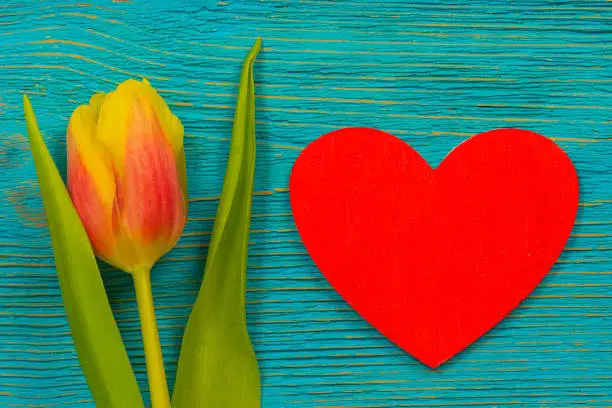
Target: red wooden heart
point(434, 258)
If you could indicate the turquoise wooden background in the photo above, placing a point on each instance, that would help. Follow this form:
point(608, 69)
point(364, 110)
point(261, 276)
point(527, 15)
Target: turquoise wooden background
point(433, 73)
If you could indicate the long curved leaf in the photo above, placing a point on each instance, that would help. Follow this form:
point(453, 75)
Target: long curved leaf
point(95, 333)
point(217, 365)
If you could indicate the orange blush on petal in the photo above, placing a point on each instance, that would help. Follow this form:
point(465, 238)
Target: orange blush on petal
point(153, 201)
point(84, 195)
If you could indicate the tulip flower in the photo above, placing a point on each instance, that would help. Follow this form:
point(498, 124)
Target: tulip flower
point(127, 180)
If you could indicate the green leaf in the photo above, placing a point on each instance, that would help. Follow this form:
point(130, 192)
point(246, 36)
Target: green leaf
point(95, 333)
point(217, 365)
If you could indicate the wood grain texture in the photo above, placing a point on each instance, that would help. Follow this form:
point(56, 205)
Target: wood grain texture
point(430, 73)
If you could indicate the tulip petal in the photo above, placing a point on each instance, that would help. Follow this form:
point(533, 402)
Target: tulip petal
point(112, 123)
point(152, 203)
point(173, 129)
point(95, 103)
point(171, 125)
point(91, 181)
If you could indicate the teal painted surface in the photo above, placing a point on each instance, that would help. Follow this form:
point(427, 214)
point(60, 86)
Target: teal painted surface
point(432, 73)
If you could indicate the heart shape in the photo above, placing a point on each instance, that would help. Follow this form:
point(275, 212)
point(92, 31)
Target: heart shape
point(433, 259)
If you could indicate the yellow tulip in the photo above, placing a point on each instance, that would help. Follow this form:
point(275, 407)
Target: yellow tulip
point(126, 178)
point(126, 175)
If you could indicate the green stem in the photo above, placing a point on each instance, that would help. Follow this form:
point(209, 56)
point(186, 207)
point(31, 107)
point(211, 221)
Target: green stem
point(158, 386)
